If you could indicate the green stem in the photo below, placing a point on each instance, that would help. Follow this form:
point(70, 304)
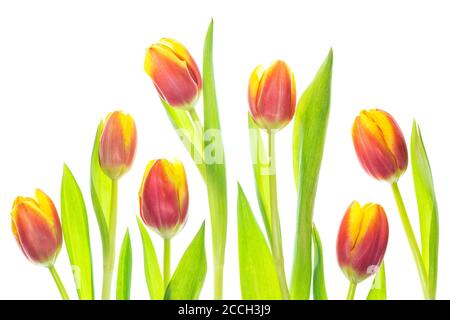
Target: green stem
point(218, 256)
point(109, 255)
point(166, 262)
point(277, 246)
point(411, 239)
point(351, 291)
point(59, 284)
point(218, 282)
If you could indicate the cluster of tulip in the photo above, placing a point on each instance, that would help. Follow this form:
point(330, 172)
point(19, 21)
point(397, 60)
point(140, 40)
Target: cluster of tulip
point(164, 197)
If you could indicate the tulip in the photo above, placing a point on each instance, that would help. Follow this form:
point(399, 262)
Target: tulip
point(174, 73)
point(362, 241)
point(163, 202)
point(164, 197)
point(37, 229)
point(116, 153)
point(272, 95)
point(117, 144)
point(381, 150)
point(380, 145)
point(272, 100)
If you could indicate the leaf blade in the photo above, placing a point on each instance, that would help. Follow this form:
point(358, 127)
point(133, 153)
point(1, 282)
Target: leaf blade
point(101, 190)
point(319, 288)
point(124, 271)
point(216, 180)
point(310, 125)
point(153, 275)
point(76, 234)
point(258, 276)
point(189, 276)
point(427, 207)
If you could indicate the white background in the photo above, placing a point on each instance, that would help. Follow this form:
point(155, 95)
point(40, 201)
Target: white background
point(64, 65)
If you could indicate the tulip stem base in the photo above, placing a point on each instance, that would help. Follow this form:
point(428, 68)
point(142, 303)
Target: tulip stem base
point(59, 284)
point(276, 243)
point(411, 238)
point(109, 255)
point(166, 262)
point(351, 291)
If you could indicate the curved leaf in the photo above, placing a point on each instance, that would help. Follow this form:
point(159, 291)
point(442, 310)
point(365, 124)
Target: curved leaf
point(101, 189)
point(214, 157)
point(153, 276)
point(319, 288)
point(124, 269)
point(76, 234)
point(189, 276)
point(258, 276)
point(310, 126)
point(427, 206)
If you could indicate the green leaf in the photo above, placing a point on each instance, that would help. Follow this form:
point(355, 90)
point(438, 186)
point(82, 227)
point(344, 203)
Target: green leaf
point(124, 269)
point(183, 124)
point(188, 279)
point(76, 234)
point(319, 289)
point(260, 168)
point(378, 290)
point(214, 158)
point(427, 206)
point(153, 276)
point(258, 276)
point(101, 189)
point(310, 126)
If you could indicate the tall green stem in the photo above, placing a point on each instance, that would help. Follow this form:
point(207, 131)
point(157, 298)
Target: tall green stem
point(351, 291)
point(109, 255)
point(218, 255)
point(277, 246)
point(411, 239)
point(166, 262)
point(59, 284)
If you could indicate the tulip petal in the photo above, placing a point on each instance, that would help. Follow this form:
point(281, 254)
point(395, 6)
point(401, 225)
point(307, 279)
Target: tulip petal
point(183, 54)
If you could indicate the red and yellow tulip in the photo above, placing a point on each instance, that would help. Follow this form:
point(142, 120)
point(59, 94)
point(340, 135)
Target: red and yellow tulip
point(362, 240)
point(164, 197)
point(117, 144)
point(380, 145)
point(37, 229)
point(174, 73)
point(272, 95)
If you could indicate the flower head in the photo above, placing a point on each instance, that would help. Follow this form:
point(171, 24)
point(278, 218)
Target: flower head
point(117, 144)
point(174, 73)
point(164, 197)
point(272, 95)
point(37, 229)
point(362, 240)
point(380, 145)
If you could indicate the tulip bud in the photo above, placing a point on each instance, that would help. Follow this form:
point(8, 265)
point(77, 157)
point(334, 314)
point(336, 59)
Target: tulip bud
point(362, 240)
point(174, 73)
point(272, 95)
point(380, 145)
point(164, 197)
point(36, 227)
point(117, 144)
